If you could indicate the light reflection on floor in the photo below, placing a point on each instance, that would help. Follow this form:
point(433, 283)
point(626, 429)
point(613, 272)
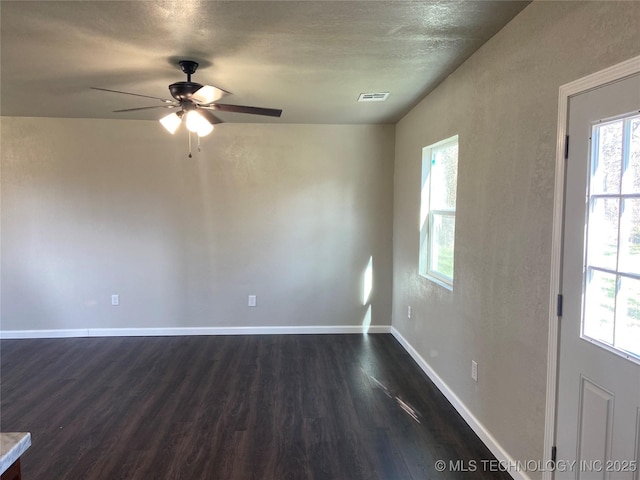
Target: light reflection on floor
point(408, 409)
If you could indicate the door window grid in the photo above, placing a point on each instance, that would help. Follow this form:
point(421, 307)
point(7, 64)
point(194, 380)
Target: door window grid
point(611, 310)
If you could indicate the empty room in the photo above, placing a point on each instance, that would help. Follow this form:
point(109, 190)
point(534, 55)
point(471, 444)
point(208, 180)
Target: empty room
point(319, 240)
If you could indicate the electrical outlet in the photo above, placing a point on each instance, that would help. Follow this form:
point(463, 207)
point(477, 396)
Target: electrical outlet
point(252, 301)
point(115, 300)
point(409, 312)
point(474, 370)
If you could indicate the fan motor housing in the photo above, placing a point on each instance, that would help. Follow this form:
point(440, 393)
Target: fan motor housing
point(183, 90)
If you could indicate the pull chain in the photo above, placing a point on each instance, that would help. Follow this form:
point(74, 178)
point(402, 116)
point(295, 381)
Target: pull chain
point(190, 156)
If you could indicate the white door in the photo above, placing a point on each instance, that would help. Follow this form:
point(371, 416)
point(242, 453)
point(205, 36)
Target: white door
point(598, 411)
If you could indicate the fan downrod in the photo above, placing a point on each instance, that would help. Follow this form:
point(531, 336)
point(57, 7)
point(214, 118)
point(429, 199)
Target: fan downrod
point(182, 91)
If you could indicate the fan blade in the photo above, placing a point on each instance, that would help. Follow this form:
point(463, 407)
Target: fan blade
point(208, 94)
point(270, 112)
point(166, 100)
point(144, 108)
point(211, 118)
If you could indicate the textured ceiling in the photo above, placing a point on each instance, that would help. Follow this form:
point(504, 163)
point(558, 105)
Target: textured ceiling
point(310, 58)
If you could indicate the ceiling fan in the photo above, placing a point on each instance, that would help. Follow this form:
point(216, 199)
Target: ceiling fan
point(195, 102)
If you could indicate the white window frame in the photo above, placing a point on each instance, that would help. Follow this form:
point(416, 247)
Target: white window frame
point(427, 216)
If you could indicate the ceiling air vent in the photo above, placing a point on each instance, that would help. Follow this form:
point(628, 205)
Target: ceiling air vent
point(373, 97)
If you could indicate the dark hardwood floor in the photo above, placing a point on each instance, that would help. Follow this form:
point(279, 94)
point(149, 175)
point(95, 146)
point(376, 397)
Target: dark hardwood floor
point(335, 407)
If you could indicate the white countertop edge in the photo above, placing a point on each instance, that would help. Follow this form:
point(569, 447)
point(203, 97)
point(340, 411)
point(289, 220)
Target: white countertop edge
point(12, 446)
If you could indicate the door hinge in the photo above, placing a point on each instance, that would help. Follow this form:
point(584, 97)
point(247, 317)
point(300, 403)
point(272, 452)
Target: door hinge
point(566, 147)
point(559, 305)
point(553, 454)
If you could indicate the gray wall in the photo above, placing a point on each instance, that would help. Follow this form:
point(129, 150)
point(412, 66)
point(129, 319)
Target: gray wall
point(290, 213)
point(503, 102)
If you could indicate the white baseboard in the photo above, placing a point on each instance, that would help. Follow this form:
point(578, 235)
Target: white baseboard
point(160, 332)
point(58, 333)
point(492, 444)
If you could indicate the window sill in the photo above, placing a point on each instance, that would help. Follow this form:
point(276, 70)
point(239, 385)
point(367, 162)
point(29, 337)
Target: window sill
point(437, 281)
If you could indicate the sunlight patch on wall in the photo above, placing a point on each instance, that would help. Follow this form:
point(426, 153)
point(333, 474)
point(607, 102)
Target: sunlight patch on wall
point(366, 322)
point(367, 287)
point(367, 282)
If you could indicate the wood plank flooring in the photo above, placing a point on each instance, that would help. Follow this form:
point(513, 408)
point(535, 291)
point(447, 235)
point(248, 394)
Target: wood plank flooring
point(298, 407)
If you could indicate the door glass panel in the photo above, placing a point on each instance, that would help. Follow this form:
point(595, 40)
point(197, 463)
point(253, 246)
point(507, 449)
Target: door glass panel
point(611, 314)
point(603, 233)
point(607, 162)
point(628, 316)
point(631, 176)
point(600, 306)
point(630, 236)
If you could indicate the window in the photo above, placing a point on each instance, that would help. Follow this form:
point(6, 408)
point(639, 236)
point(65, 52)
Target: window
point(611, 312)
point(438, 210)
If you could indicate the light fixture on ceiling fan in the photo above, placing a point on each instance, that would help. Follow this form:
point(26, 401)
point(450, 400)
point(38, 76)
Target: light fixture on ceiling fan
point(197, 121)
point(195, 102)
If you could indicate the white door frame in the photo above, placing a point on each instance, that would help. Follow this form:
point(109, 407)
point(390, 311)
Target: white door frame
point(598, 79)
